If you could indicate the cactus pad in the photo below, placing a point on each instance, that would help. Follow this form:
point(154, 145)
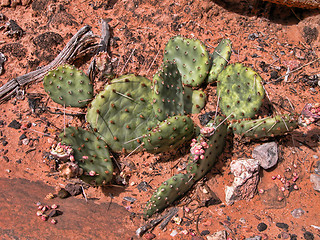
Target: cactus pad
point(241, 91)
point(207, 147)
point(266, 127)
point(122, 112)
point(68, 86)
point(191, 57)
point(167, 98)
point(220, 59)
point(169, 134)
point(167, 193)
point(91, 153)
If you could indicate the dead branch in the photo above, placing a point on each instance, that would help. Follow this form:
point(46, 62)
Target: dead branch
point(82, 42)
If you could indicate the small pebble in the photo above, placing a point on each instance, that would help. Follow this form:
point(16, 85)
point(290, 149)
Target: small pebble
point(313, 90)
point(39, 213)
point(315, 156)
point(130, 199)
point(284, 235)
point(173, 233)
point(308, 235)
point(53, 213)
point(242, 220)
point(149, 236)
point(253, 36)
point(143, 186)
point(49, 196)
point(261, 227)
point(25, 141)
point(254, 238)
point(15, 124)
point(298, 212)
point(63, 193)
point(4, 143)
point(274, 74)
point(73, 189)
point(23, 136)
point(6, 159)
point(54, 206)
point(205, 232)
point(196, 238)
point(282, 226)
point(293, 237)
point(53, 221)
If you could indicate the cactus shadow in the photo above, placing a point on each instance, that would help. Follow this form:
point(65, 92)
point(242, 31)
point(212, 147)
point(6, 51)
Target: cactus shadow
point(309, 139)
point(223, 159)
point(274, 12)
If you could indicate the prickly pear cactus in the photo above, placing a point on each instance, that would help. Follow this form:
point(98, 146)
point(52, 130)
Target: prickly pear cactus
point(121, 114)
point(191, 57)
point(207, 147)
point(68, 86)
point(167, 97)
point(204, 152)
point(220, 59)
point(91, 154)
point(168, 192)
point(266, 127)
point(169, 134)
point(240, 90)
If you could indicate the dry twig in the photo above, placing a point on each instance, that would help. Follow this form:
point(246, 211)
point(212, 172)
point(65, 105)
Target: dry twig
point(81, 43)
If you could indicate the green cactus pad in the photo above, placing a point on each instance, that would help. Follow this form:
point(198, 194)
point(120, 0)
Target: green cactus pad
point(167, 193)
point(178, 185)
point(68, 86)
point(169, 134)
point(91, 153)
point(122, 113)
point(207, 147)
point(191, 57)
point(167, 98)
point(194, 100)
point(266, 127)
point(241, 91)
point(220, 59)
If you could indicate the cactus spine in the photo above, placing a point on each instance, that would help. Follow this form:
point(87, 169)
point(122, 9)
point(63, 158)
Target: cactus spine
point(266, 127)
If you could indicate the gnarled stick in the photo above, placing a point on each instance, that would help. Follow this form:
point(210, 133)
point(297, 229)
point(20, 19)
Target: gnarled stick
point(83, 41)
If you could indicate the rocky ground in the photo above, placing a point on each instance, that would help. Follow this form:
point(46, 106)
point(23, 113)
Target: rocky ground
point(272, 39)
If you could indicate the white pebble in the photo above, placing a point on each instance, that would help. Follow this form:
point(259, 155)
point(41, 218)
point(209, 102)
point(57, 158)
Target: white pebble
point(173, 233)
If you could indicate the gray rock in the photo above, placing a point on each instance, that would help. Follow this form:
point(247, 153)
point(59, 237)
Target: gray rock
point(315, 179)
point(266, 154)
